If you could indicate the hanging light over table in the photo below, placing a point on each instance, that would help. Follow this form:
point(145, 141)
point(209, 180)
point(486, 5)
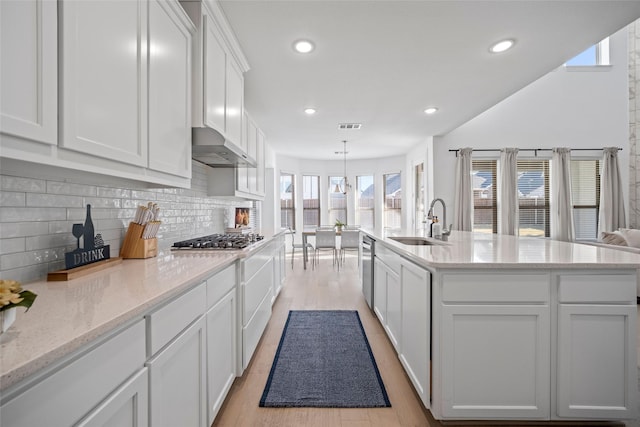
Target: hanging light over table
point(344, 185)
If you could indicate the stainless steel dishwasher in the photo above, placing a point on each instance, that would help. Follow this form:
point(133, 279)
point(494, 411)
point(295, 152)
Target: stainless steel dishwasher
point(368, 252)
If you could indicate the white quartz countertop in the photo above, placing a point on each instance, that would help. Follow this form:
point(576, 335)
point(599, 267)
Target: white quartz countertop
point(480, 250)
point(67, 315)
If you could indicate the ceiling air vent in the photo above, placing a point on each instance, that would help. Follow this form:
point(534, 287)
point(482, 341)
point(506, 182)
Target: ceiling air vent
point(349, 126)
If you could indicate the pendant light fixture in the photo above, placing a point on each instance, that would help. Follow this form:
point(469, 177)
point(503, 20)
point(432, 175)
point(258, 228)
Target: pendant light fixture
point(344, 185)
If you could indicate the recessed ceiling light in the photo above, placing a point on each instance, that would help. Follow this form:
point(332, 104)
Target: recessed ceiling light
point(430, 110)
point(501, 46)
point(310, 111)
point(303, 46)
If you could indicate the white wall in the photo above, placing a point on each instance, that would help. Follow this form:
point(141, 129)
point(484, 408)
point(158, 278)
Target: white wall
point(575, 109)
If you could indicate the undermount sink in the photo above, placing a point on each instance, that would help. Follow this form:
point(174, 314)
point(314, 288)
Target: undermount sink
point(416, 241)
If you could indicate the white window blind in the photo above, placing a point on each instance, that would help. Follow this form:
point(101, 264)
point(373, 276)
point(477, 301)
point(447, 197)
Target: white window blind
point(485, 203)
point(585, 192)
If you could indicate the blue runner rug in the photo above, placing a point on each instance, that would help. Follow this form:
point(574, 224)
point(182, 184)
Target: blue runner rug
point(324, 361)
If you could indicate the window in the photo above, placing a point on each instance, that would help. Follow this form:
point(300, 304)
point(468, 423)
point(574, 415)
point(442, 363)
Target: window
point(485, 205)
point(310, 201)
point(585, 192)
point(533, 196)
point(365, 203)
point(337, 200)
point(598, 54)
point(392, 200)
point(287, 201)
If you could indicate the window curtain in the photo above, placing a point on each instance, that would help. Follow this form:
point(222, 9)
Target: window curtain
point(562, 227)
point(612, 214)
point(508, 215)
point(463, 219)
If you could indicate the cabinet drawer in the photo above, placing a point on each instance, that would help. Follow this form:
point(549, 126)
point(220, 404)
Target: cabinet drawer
point(168, 321)
point(495, 288)
point(220, 284)
point(256, 289)
point(255, 262)
point(390, 258)
point(594, 288)
point(67, 395)
point(252, 332)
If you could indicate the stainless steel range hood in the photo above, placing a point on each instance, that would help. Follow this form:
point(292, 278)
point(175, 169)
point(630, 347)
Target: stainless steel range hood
point(212, 148)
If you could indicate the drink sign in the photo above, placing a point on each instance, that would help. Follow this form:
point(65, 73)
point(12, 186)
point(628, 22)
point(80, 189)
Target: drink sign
point(93, 249)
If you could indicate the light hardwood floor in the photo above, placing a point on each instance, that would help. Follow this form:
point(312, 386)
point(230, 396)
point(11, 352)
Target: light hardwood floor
point(327, 289)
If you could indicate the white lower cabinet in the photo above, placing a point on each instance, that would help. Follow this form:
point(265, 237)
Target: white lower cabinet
point(402, 303)
point(497, 363)
point(495, 338)
point(597, 346)
point(72, 393)
point(126, 407)
point(416, 328)
point(279, 270)
point(177, 380)
point(221, 352)
point(380, 291)
point(394, 308)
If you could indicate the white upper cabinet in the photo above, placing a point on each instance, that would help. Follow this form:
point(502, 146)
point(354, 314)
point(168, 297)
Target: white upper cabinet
point(218, 72)
point(234, 102)
point(212, 78)
point(104, 79)
point(170, 34)
point(29, 69)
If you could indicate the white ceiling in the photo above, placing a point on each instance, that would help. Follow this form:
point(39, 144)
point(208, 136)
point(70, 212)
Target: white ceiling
point(381, 63)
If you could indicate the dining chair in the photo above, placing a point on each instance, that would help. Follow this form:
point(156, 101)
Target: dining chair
point(326, 240)
point(295, 246)
point(349, 241)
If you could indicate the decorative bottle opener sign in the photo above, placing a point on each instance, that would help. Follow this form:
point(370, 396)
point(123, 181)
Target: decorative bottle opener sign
point(93, 249)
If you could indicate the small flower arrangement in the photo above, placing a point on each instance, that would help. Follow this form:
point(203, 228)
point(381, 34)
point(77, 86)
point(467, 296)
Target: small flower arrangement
point(340, 223)
point(12, 295)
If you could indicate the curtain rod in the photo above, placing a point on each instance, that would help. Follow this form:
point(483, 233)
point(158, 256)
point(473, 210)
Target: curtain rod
point(535, 150)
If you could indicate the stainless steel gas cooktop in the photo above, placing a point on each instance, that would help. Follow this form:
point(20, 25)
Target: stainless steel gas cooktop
point(219, 242)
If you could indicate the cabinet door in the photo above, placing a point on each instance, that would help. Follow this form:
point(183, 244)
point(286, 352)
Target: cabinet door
point(29, 69)
point(498, 363)
point(252, 151)
point(177, 381)
point(169, 89)
point(596, 376)
point(221, 352)
point(234, 102)
point(416, 328)
point(126, 407)
point(394, 308)
point(260, 164)
point(214, 76)
point(380, 291)
point(104, 79)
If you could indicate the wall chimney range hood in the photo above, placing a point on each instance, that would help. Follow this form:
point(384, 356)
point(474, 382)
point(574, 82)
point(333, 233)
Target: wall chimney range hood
point(213, 149)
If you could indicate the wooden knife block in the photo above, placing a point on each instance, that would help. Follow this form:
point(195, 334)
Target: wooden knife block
point(134, 246)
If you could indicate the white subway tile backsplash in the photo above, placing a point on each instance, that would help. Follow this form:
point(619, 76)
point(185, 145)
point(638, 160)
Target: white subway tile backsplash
point(10, 214)
point(13, 245)
point(22, 229)
point(15, 183)
point(9, 198)
point(36, 216)
point(113, 192)
point(53, 200)
point(55, 187)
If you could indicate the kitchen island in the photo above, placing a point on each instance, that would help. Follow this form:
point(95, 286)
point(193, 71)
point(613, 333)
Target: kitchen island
point(492, 327)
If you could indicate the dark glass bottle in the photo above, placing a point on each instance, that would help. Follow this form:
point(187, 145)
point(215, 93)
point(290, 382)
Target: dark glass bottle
point(88, 231)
